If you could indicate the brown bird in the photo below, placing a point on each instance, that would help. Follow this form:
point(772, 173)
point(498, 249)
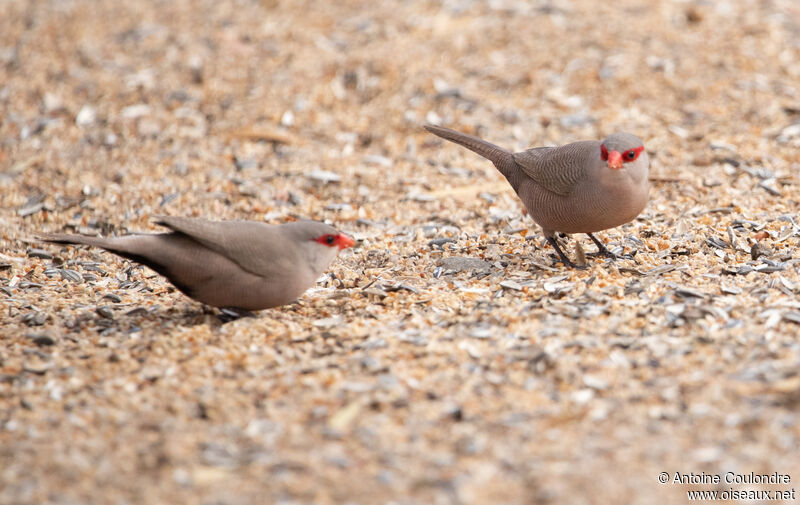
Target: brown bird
point(582, 187)
point(244, 265)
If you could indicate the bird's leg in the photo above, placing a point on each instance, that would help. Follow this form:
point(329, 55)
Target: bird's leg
point(601, 249)
point(564, 259)
point(229, 314)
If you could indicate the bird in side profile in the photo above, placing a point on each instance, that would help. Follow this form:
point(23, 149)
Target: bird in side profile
point(582, 187)
point(239, 265)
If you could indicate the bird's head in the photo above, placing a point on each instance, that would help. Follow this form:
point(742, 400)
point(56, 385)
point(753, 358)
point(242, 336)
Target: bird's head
point(317, 243)
point(621, 149)
point(317, 236)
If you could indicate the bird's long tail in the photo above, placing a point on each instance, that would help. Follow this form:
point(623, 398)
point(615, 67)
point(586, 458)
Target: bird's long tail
point(134, 247)
point(63, 238)
point(503, 159)
point(148, 250)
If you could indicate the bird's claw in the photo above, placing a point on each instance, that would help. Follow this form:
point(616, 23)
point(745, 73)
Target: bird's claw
point(602, 250)
point(563, 257)
point(606, 254)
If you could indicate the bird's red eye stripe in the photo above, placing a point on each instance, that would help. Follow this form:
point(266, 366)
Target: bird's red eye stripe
point(327, 239)
point(330, 240)
point(603, 152)
point(632, 154)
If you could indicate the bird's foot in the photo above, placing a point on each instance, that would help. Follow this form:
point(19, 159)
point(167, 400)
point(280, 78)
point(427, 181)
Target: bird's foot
point(571, 264)
point(563, 257)
point(603, 251)
point(229, 314)
point(611, 255)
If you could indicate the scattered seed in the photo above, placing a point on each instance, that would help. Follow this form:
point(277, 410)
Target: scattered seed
point(757, 250)
point(39, 253)
point(376, 292)
point(30, 209)
point(114, 298)
point(717, 242)
point(70, 275)
point(37, 369)
point(661, 269)
point(511, 285)
point(686, 292)
point(768, 269)
point(731, 290)
point(324, 176)
point(400, 286)
point(580, 256)
point(328, 322)
point(461, 264)
point(42, 340)
point(440, 242)
point(768, 187)
point(556, 288)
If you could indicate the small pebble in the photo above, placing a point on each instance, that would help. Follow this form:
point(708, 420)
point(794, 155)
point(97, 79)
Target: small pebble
point(34, 318)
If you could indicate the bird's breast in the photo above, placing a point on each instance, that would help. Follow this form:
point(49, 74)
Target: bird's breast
point(589, 208)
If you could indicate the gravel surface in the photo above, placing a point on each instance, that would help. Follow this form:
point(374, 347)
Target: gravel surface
point(449, 358)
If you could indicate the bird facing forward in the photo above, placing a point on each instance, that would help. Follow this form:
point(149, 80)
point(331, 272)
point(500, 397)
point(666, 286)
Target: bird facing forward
point(582, 187)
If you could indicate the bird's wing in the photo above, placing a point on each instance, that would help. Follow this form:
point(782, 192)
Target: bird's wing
point(558, 169)
point(258, 248)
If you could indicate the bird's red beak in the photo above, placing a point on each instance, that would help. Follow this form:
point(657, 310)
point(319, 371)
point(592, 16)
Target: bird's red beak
point(614, 160)
point(345, 241)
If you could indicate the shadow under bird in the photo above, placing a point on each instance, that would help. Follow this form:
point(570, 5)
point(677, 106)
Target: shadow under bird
point(244, 265)
point(582, 187)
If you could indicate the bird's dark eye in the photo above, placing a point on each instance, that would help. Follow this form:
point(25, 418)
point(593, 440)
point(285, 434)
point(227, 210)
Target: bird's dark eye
point(328, 240)
point(632, 154)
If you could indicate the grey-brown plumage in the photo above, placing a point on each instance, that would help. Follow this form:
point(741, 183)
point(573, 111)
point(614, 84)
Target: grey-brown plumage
point(232, 264)
point(582, 187)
